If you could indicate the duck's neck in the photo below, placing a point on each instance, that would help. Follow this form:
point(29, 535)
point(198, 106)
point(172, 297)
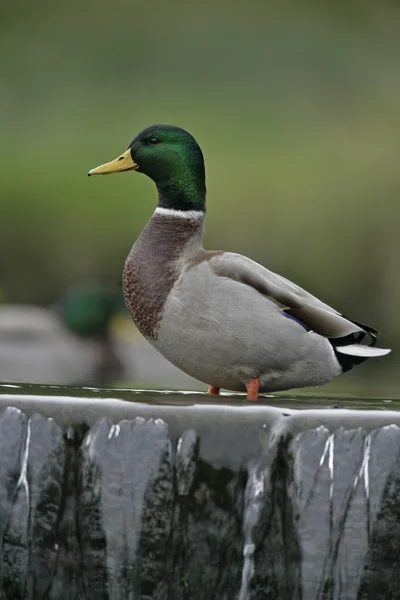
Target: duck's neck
point(181, 217)
point(184, 190)
point(178, 230)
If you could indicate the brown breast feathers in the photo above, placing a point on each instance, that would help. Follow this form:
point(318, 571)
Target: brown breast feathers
point(151, 269)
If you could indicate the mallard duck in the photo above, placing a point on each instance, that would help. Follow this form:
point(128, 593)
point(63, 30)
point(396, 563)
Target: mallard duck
point(219, 316)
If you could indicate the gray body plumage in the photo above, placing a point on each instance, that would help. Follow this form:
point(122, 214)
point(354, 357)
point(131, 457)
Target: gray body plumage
point(219, 317)
point(233, 333)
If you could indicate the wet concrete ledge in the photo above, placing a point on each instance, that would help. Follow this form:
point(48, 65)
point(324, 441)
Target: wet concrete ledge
point(171, 496)
point(231, 420)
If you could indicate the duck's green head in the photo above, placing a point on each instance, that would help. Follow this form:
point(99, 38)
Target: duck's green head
point(171, 157)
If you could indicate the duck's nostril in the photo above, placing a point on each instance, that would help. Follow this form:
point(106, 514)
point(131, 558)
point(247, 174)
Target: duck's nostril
point(121, 158)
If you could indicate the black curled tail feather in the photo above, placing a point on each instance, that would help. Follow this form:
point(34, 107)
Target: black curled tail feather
point(373, 333)
point(369, 334)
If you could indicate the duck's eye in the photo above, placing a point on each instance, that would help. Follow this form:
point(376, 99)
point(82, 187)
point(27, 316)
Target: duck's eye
point(154, 140)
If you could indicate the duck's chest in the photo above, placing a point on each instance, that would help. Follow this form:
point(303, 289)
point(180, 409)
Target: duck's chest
point(147, 283)
point(152, 269)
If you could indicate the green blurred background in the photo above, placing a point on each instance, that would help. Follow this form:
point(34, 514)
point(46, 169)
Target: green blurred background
point(296, 108)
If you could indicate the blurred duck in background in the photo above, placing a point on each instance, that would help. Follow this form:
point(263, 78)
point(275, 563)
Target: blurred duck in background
point(88, 338)
point(88, 312)
point(68, 343)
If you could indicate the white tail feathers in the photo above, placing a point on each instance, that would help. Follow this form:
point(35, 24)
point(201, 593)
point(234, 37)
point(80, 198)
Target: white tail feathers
point(360, 350)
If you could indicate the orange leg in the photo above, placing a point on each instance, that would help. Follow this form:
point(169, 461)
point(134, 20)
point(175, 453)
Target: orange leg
point(213, 391)
point(252, 389)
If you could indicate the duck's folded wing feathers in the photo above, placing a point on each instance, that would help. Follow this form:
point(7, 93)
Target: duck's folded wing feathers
point(318, 316)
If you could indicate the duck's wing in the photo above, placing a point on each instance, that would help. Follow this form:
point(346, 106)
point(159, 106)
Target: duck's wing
point(316, 315)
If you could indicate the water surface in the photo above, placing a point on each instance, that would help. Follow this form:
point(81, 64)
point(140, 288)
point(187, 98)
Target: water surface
point(297, 401)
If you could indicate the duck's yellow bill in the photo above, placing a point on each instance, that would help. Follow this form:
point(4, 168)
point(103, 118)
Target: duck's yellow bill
point(124, 162)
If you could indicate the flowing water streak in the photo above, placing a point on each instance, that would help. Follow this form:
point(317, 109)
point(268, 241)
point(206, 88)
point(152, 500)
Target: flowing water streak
point(114, 430)
point(254, 502)
point(364, 469)
point(329, 450)
point(22, 480)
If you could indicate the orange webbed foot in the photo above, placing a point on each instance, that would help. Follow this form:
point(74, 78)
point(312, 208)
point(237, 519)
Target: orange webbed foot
point(252, 389)
point(213, 391)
